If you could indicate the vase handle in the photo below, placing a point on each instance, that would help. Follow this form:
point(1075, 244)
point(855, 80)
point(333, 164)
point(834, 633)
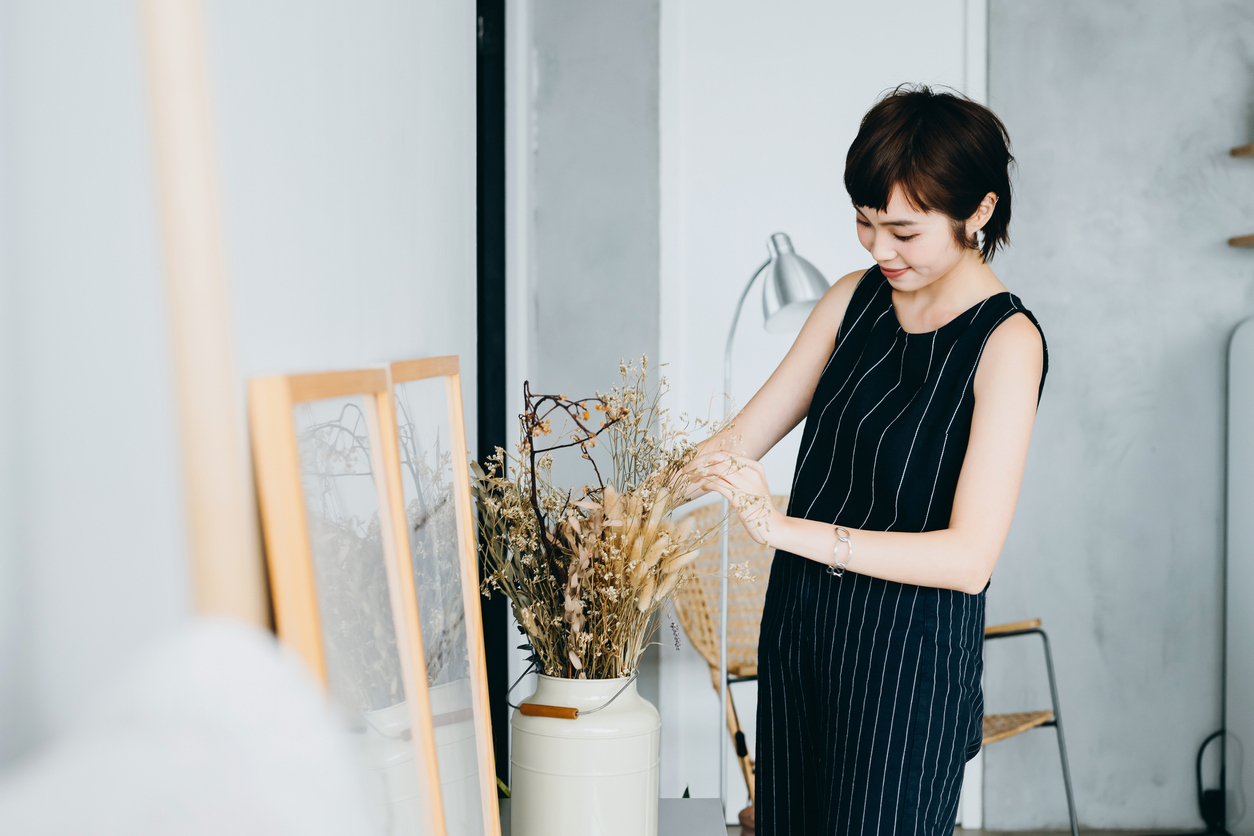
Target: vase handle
point(559, 712)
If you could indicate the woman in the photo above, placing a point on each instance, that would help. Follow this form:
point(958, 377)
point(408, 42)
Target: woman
point(919, 379)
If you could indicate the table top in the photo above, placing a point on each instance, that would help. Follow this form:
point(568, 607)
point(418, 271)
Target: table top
point(675, 817)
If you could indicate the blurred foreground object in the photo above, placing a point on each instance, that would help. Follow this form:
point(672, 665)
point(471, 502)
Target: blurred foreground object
point(221, 521)
point(215, 731)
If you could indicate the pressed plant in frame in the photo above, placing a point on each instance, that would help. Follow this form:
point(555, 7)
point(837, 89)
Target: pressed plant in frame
point(363, 660)
point(432, 519)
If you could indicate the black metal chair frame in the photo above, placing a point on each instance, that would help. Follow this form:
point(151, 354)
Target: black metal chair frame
point(1056, 722)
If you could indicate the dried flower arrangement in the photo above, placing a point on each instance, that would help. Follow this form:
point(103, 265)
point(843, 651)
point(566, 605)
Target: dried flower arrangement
point(586, 573)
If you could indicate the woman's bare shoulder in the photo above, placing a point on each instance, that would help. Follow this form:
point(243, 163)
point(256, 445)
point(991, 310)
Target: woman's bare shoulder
point(1015, 348)
point(834, 302)
point(824, 321)
point(1017, 333)
point(846, 284)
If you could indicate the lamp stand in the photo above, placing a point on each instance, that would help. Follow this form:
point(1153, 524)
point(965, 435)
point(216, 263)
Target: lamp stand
point(724, 559)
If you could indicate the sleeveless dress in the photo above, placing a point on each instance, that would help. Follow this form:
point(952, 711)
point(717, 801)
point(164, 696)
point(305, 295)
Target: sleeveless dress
point(869, 696)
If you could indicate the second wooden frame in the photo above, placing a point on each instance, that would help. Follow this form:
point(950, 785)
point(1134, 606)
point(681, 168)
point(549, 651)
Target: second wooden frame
point(447, 369)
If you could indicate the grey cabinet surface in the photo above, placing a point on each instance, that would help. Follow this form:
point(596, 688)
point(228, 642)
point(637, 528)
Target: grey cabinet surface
point(675, 817)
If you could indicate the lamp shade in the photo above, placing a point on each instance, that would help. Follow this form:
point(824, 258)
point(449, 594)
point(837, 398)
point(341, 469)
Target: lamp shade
point(793, 287)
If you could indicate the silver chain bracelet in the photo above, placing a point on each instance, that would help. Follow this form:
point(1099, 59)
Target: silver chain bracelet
point(837, 568)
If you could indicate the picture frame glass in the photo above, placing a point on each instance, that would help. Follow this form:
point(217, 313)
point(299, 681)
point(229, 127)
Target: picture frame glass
point(342, 486)
point(428, 452)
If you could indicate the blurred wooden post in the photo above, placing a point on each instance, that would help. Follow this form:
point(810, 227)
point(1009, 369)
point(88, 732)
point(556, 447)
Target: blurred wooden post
point(227, 571)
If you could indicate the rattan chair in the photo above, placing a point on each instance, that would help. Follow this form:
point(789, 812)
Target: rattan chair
point(1001, 726)
point(696, 605)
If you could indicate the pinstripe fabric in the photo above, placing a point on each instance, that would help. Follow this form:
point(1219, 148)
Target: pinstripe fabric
point(869, 698)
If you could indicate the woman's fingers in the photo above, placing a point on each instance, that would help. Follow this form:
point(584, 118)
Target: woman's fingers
point(722, 489)
point(739, 493)
point(726, 490)
point(747, 480)
point(714, 463)
point(752, 464)
point(749, 506)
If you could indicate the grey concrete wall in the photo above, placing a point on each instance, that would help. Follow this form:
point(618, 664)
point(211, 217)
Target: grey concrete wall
point(595, 190)
point(1121, 115)
point(595, 201)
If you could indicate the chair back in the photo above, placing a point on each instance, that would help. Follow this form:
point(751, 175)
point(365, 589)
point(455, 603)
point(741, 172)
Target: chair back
point(696, 603)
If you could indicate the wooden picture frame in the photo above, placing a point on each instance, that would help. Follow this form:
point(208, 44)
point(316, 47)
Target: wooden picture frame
point(295, 544)
point(417, 387)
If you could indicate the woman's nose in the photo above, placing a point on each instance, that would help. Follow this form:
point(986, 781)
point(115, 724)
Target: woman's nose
point(882, 249)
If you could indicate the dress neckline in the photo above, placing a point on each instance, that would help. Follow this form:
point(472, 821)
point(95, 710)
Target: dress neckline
point(957, 318)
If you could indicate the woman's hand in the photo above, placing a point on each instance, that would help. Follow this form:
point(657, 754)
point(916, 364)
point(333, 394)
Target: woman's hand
point(742, 482)
point(703, 464)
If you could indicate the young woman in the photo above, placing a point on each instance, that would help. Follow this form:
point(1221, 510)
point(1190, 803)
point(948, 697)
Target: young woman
point(919, 379)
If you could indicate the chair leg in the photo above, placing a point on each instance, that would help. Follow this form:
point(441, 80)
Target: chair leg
point(1062, 742)
point(742, 753)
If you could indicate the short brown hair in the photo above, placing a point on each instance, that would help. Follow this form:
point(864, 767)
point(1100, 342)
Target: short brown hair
point(946, 153)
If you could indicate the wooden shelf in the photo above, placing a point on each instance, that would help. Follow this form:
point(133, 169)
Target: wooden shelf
point(1242, 240)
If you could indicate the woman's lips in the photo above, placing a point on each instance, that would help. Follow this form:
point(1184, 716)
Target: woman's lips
point(893, 274)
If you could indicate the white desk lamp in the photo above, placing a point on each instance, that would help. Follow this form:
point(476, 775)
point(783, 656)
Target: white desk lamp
point(793, 287)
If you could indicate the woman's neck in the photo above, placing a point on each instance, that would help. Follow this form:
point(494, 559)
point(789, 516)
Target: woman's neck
point(964, 285)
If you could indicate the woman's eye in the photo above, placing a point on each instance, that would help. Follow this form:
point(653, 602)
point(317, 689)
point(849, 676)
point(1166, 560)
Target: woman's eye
point(862, 223)
point(906, 237)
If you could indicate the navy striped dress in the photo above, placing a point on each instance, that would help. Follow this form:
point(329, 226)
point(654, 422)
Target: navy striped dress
point(869, 697)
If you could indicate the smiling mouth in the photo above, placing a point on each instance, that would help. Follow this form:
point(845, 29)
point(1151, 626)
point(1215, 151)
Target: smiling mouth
point(893, 274)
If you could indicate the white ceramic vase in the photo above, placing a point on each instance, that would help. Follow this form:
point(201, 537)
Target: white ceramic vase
point(390, 756)
point(596, 775)
point(457, 758)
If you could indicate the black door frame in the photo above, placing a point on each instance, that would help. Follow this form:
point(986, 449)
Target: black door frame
point(490, 126)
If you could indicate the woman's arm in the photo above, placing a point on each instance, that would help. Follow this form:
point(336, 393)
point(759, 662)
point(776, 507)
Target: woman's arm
point(784, 399)
point(963, 555)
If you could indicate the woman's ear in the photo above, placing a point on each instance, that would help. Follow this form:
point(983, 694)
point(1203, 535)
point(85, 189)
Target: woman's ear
point(982, 213)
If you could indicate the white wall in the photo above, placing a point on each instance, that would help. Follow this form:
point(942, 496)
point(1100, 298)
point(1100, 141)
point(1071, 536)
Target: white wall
point(348, 165)
point(346, 144)
point(759, 103)
point(98, 536)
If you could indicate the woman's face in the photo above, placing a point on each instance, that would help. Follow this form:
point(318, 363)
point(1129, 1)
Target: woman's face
point(912, 247)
